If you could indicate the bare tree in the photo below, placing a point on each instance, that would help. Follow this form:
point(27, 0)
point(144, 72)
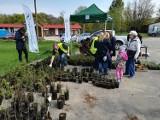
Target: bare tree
point(139, 11)
point(158, 12)
point(79, 9)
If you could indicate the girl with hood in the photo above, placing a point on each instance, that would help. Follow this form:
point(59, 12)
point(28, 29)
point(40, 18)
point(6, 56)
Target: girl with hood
point(120, 63)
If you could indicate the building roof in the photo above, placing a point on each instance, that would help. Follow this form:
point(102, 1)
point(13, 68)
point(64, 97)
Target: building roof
point(11, 25)
point(58, 26)
point(61, 26)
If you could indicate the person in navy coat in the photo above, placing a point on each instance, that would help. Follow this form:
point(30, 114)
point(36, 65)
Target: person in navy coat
point(21, 43)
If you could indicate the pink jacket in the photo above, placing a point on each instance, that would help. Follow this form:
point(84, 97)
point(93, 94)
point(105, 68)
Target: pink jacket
point(121, 59)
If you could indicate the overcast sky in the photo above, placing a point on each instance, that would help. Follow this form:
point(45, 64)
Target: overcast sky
point(54, 7)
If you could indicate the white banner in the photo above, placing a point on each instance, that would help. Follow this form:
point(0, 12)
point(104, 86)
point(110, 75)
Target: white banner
point(67, 37)
point(32, 39)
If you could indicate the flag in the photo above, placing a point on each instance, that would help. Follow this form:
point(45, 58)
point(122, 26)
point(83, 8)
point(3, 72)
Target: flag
point(67, 37)
point(32, 39)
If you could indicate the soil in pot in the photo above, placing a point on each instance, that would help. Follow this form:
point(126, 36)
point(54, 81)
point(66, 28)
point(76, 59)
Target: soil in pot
point(2, 114)
point(66, 95)
point(43, 110)
point(32, 113)
point(58, 87)
point(1, 99)
point(35, 106)
point(54, 95)
point(85, 79)
point(116, 84)
point(60, 103)
point(30, 97)
point(80, 81)
point(25, 114)
point(62, 116)
point(62, 97)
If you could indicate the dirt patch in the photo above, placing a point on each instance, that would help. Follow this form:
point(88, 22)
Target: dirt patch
point(131, 117)
point(90, 99)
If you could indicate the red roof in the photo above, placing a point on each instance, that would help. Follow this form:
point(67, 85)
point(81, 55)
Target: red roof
point(61, 26)
point(10, 25)
point(58, 26)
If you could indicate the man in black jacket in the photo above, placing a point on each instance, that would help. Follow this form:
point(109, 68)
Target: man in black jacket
point(20, 43)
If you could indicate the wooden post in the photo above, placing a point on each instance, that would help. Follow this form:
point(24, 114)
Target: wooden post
point(35, 7)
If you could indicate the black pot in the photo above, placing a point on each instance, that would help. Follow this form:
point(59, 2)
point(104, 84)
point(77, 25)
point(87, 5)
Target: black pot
point(51, 88)
point(43, 110)
point(60, 103)
point(35, 106)
point(74, 80)
point(85, 79)
point(87, 70)
point(62, 97)
point(80, 81)
point(58, 88)
point(67, 95)
point(2, 114)
point(30, 97)
point(62, 116)
point(25, 115)
point(32, 112)
point(1, 99)
point(47, 102)
point(54, 95)
point(116, 84)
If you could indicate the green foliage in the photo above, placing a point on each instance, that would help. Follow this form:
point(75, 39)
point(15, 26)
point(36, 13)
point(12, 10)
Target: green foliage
point(43, 18)
point(116, 11)
point(9, 56)
point(151, 65)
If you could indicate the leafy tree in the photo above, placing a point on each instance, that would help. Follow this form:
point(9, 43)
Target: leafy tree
point(116, 11)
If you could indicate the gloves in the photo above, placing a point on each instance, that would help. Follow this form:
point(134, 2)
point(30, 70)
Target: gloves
point(50, 65)
point(104, 58)
point(68, 54)
point(23, 38)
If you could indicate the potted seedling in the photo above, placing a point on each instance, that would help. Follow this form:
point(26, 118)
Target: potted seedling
point(62, 116)
point(66, 93)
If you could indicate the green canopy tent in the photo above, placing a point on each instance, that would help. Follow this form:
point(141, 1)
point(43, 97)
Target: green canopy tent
point(91, 15)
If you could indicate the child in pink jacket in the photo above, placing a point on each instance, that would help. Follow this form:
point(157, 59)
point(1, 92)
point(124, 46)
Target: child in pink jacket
point(120, 62)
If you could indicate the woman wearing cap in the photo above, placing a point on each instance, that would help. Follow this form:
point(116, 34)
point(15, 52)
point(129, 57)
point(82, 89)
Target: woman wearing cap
point(133, 51)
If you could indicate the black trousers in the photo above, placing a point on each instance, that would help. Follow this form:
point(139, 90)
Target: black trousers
point(20, 54)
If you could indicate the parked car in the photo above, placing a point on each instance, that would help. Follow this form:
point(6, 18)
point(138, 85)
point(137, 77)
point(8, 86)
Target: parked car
point(120, 40)
point(5, 34)
point(83, 36)
point(73, 38)
point(10, 36)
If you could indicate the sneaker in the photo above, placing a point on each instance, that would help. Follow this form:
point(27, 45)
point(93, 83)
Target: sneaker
point(118, 80)
point(125, 74)
point(121, 80)
point(130, 77)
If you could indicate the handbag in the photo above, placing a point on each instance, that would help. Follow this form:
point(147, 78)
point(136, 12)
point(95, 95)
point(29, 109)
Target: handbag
point(131, 54)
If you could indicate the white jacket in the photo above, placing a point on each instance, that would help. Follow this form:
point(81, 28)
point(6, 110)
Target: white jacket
point(134, 45)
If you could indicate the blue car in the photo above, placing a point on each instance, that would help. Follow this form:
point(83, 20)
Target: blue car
point(4, 33)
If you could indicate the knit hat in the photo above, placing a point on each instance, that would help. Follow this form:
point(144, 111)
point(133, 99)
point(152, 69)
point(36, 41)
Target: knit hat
point(122, 48)
point(133, 33)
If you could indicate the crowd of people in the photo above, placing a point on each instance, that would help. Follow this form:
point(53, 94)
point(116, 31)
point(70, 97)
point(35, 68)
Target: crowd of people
point(101, 47)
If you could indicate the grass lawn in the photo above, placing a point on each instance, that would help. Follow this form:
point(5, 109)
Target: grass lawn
point(9, 55)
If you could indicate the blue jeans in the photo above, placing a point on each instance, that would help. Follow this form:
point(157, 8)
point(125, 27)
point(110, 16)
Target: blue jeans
point(130, 67)
point(102, 67)
point(62, 60)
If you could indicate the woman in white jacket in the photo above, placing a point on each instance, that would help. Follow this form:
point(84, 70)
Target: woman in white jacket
point(133, 51)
